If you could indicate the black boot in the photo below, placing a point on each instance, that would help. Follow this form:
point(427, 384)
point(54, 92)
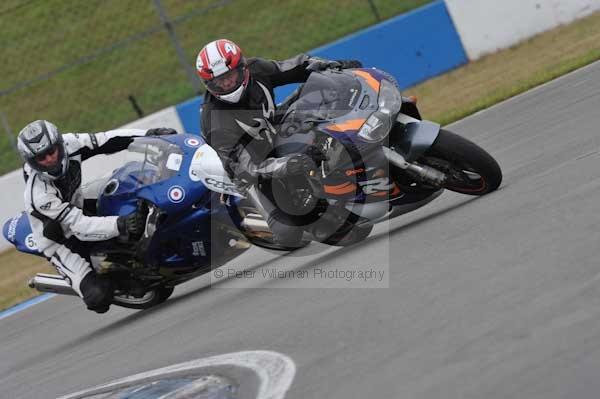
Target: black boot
point(285, 232)
point(97, 292)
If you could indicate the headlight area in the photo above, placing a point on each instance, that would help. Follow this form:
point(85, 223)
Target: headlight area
point(378, 125)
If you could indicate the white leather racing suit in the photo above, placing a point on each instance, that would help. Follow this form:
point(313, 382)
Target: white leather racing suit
point(53, 203)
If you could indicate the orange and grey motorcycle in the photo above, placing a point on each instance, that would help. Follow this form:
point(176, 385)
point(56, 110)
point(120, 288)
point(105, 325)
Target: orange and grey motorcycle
point(375, 157)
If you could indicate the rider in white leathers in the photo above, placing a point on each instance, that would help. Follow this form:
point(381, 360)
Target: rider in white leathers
point(54, 202)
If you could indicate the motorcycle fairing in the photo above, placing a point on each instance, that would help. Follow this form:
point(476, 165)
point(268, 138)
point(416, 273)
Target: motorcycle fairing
point(17, 231)
point(206, 167)
point(189, 223)
point(362, 180)
point(413, 138)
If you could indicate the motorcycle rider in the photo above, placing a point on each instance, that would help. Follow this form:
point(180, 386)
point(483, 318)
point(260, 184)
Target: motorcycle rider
point(54, 202)
point(238, 118)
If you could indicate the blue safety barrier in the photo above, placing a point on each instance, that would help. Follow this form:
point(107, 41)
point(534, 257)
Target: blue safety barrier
point(413, 47)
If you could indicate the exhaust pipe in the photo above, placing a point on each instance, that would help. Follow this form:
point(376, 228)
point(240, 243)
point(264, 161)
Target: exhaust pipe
point(52, 283)
point(255, 223)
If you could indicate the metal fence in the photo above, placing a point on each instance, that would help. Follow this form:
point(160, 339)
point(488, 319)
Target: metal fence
point(96, 64)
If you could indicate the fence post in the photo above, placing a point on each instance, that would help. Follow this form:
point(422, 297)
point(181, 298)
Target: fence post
point(6, 127)
point(164, 19)
point(136, 106)
point(375, 11)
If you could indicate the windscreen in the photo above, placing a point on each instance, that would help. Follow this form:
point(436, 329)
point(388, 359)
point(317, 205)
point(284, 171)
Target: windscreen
point(324, 96)
point(155, 160)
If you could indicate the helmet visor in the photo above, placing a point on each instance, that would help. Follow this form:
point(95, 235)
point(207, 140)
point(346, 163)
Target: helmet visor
point(228, 82)
point(49, 160)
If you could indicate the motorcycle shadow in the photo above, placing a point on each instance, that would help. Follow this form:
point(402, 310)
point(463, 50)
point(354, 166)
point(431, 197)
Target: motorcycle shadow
point(313, 258)
point(309, 264)
point(374, 238)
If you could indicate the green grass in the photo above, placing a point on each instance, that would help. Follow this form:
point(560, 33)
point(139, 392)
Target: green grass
point(15, 270)
point(41, 36)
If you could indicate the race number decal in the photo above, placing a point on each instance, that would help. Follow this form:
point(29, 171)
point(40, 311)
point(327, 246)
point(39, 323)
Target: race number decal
point(30, 242)
point(376, 185)
point(229, 48)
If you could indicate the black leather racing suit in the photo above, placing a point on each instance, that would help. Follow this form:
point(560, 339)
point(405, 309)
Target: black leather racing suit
point(243, 133)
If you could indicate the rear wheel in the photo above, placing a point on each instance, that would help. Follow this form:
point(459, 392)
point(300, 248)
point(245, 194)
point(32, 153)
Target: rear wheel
point(150, 298)
point(469, 168)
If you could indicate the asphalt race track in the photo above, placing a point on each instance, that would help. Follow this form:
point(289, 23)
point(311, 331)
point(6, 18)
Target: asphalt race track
point(493, 297)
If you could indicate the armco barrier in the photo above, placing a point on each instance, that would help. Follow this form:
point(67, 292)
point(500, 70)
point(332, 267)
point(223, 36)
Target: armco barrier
point(413, 47)
point(486, 26)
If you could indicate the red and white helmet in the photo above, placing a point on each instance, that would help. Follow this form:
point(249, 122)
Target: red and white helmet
point(222, 68)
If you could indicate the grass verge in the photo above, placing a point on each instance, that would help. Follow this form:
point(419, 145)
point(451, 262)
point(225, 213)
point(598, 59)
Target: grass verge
point(444, 99)
point(502, 75)
point(15, 270)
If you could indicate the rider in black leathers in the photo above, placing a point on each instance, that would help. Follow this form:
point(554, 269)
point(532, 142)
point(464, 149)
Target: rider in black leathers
point(239, 119)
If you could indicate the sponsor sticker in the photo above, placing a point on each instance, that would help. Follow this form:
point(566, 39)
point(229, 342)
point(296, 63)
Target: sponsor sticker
point(174, 162)
point(198, 248)
point(352, 172)
point(176, 194)
point(12, 228)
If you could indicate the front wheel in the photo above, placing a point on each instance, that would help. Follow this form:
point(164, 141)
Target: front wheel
point(469, 168)
point(150, 298)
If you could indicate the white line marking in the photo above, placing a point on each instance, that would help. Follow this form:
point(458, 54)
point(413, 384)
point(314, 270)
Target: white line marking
point(274, 370)
point(24, 305)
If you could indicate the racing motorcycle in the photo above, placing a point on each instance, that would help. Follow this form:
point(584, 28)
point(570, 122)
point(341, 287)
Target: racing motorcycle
point(196, 220)
point(375, 157)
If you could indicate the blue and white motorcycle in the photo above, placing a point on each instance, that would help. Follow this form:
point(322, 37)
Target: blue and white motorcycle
point(196, 221)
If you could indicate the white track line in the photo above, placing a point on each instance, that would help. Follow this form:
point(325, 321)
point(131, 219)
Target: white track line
point(274, 370)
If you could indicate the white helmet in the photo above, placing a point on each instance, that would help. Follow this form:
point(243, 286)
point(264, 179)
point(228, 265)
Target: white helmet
point(38, 140)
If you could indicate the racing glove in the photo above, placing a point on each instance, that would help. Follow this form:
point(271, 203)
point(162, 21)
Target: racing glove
point(347, 64)
point(131, 227)
point(160, 131)
point(320, 64)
